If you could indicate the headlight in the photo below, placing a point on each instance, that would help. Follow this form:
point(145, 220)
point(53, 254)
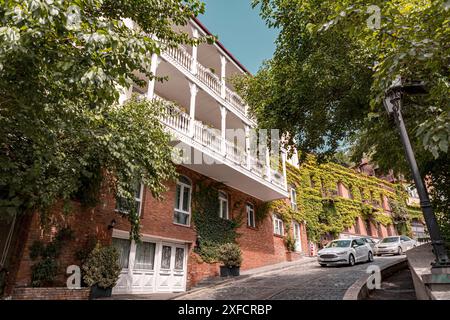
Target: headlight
point(341, 253)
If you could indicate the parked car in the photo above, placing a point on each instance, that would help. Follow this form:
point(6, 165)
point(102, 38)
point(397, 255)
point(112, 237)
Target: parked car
point(394, 245)
point(345, 251)
point(371, 242)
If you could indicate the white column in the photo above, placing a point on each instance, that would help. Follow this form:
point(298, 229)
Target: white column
point(283, 162)
point(194, 91)
point(223, 128)
point(151, 83)
point(247, 145)
point(194, 52)
point(223, 75)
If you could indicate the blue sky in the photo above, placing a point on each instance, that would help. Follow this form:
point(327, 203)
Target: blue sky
point(241, 31)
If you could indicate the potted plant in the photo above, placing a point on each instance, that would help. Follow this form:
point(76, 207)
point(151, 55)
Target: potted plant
point(102, 270)
point(231, 256)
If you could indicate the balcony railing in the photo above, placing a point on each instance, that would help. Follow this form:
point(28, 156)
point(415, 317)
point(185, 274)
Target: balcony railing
point(211, 138)
point(209, 78)
point(235, 100)
point(182, 58)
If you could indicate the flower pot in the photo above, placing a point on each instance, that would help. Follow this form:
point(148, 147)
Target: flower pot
point(226, 271)
point(98, 292)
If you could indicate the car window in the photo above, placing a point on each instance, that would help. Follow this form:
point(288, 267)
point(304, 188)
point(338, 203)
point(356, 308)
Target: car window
point(404, 238)
point(339, 244)
point(360, 242)
point(390, 240)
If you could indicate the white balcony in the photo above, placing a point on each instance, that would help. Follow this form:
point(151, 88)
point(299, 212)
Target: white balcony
point(224, 161)
point(181, 58)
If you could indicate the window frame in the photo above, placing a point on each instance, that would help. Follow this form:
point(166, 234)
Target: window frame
point(137, 200)
point(183, 186)
point(223, 198)
point(293, 198)
point(278, 225)
point(250, 206)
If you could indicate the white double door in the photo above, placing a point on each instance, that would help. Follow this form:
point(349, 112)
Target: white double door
point(151, 266)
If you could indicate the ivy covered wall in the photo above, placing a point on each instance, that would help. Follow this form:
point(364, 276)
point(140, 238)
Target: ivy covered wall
point(325, 210)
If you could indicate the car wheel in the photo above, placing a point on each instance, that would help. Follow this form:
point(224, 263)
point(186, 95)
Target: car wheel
point(400, 251)
point(351, 260)
point(370, 257)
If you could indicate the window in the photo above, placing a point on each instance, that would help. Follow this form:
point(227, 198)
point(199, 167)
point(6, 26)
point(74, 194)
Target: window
point(389, 230)
point(145, 256)
point(379, 231)
point(223, 205)
point(277, 225)
point(297, 237)
point(350, 192)
point(123, 206)
point(123, 247)
point(165, 257)
point(311, 180)
point(368, 227)
point(179, 258)
point(293, 198)
point(357, 230)
point(412, 192)
point(250, 215)
point(182, 212)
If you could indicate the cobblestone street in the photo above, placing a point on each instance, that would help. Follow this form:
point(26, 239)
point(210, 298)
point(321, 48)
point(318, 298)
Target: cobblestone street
point(303, 282)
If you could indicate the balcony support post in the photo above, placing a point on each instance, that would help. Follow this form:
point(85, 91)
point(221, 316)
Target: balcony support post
point(151, 83)
point(283, 162)
point(194, 90)
point(223, 75)
point(194, 52)
point(223, 128)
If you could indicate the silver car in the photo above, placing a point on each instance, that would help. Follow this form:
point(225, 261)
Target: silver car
point(345, 251)
point(394, 245)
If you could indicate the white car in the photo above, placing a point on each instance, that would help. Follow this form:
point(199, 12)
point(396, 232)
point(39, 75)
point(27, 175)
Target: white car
point(345, 251)
point(394, 245)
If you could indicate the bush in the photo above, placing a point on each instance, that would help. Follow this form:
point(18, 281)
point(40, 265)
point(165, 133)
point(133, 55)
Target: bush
point(102, 267)
point(230, 255)
point(43, 273)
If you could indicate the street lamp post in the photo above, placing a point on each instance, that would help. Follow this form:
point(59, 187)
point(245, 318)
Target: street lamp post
point(393, 105)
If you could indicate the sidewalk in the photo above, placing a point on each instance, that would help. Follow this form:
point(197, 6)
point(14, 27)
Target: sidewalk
point(218, 281)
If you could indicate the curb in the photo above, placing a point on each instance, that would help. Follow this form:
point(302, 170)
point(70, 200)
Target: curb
point(359, 290)
point(245, 277)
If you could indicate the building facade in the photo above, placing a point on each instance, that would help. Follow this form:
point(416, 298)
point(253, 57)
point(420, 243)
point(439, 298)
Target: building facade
point(210, 123)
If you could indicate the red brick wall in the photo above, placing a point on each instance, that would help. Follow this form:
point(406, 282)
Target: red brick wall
point(50, 294)
point(259, 246)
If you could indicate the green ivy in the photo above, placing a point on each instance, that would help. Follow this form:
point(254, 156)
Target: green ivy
point(44, 271)
point(323, 211)
point(212, 230)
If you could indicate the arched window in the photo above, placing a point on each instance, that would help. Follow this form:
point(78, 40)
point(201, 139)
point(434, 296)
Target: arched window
point(223, 205)
point(182, 212)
